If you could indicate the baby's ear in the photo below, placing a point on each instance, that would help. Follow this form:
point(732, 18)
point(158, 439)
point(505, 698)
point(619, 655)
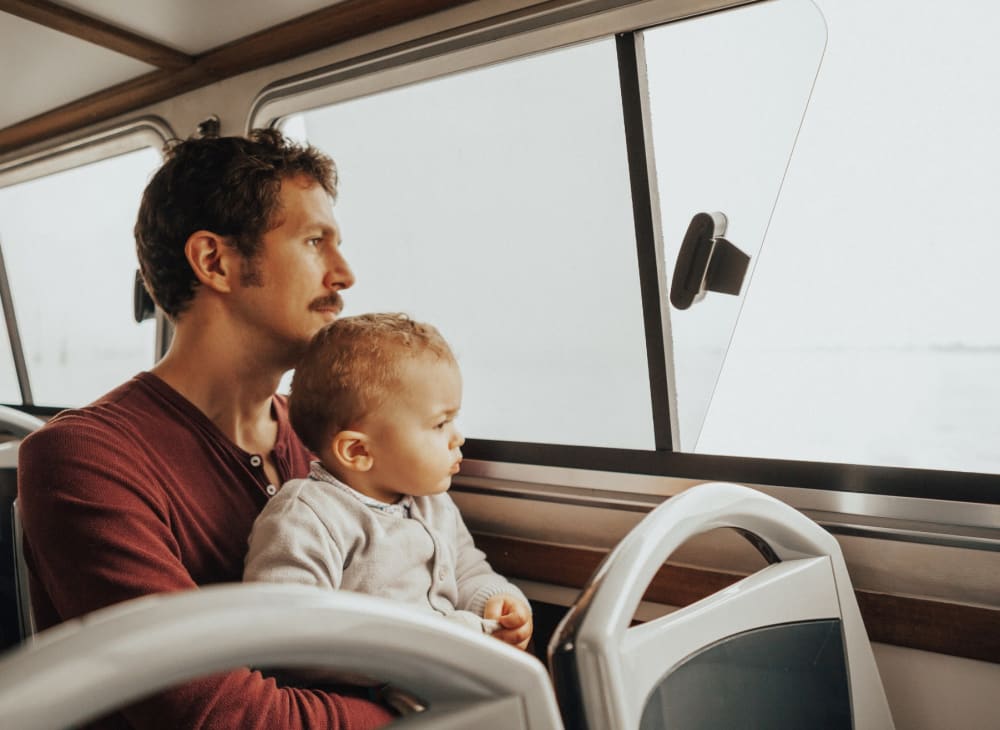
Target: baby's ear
point(350, 450)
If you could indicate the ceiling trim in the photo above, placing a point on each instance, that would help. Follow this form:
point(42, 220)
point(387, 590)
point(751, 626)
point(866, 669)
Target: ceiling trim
point(100, 106)
point(115, 139)
point(97, 31)
point(317, 30)
point(314, 31)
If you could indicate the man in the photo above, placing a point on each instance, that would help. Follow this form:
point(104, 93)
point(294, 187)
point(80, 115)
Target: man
point(154, 487)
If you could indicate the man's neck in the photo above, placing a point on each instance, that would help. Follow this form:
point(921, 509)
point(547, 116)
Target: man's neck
point(231, 386)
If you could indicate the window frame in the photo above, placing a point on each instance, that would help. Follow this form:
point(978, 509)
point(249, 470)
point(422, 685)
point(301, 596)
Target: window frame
point(105, 143)
point(954, 508)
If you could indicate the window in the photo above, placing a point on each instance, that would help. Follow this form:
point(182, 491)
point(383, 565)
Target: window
point(496, 205)
point(70, 257)
point(723, 129)
point(868, 333)
point(856, 174)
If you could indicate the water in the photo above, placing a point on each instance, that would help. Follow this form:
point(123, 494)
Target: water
point(914, 407)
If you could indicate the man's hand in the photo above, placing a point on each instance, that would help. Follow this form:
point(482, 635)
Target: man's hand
point(514, 617)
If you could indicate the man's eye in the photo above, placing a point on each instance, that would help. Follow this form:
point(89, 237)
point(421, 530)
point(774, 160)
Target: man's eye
point(314, 241)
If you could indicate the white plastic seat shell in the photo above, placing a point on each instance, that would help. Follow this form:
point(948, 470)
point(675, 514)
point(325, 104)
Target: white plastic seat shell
point(617, 665)
point(22, 587)
point(90, 666)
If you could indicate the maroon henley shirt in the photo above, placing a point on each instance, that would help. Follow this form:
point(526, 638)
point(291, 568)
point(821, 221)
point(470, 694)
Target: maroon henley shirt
point(141, 493)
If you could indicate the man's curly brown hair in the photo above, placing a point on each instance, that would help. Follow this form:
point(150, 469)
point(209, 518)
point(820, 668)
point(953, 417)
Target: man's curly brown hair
point(226, 185)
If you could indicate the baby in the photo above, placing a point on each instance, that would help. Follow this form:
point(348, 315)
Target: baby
point(375, 398)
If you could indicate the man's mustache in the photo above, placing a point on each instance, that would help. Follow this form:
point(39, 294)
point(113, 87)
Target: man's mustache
point(331, 301)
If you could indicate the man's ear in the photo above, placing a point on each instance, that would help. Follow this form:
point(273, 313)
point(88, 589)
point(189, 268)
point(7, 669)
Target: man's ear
point(351, 450)
point(214, 263)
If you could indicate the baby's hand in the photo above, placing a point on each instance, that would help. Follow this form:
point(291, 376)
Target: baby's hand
point(514, 617)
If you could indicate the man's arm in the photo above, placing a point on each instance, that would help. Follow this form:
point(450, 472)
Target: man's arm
point(97, 534)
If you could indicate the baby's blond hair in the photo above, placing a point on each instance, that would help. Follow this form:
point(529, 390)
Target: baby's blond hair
point(349, 369)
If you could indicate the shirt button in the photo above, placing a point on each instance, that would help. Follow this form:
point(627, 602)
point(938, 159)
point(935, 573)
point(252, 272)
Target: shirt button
point(271, 490)
point(442, 574)
point(255, 460)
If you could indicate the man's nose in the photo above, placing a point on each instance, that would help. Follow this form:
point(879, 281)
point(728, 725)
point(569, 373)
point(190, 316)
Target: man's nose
point(339, 273)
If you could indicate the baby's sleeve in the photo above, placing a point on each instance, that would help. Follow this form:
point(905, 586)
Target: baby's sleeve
point(476, 579)
point(291, 542)
point(474, 621)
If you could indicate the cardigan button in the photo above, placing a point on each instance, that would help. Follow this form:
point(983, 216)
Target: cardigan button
point(255, 460)
point(271, 490)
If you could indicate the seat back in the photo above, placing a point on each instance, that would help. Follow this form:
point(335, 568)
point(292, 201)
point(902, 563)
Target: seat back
point(783, 648)
point(17, 424)
point(85, 668)
point(25, 617)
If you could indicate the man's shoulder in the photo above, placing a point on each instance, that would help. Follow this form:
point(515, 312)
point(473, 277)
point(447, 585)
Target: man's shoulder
point(119, 414)
point(95, 412)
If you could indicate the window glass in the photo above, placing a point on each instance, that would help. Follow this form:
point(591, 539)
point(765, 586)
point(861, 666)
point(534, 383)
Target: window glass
point(723, 129)
point(70, 255)
point(496, 205)
point(869, 334)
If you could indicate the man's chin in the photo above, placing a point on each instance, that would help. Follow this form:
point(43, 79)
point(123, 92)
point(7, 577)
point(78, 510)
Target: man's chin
point(297, 347)
point(323, 318)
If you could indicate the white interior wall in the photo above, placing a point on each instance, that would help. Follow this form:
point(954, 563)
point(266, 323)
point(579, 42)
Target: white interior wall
point(929, 691)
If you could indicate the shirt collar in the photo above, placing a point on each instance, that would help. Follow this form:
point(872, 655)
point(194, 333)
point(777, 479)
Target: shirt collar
point(402, 508)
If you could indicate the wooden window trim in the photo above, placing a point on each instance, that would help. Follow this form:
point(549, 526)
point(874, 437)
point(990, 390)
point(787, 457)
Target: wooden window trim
point(943, 627)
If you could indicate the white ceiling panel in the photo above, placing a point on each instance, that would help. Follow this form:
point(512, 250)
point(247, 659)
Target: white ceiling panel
point(41, 69)
point(195, 26)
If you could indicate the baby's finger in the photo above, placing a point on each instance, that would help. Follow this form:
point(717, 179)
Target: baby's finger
point(513, 620)
point(494, 608)
point(515, 637)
